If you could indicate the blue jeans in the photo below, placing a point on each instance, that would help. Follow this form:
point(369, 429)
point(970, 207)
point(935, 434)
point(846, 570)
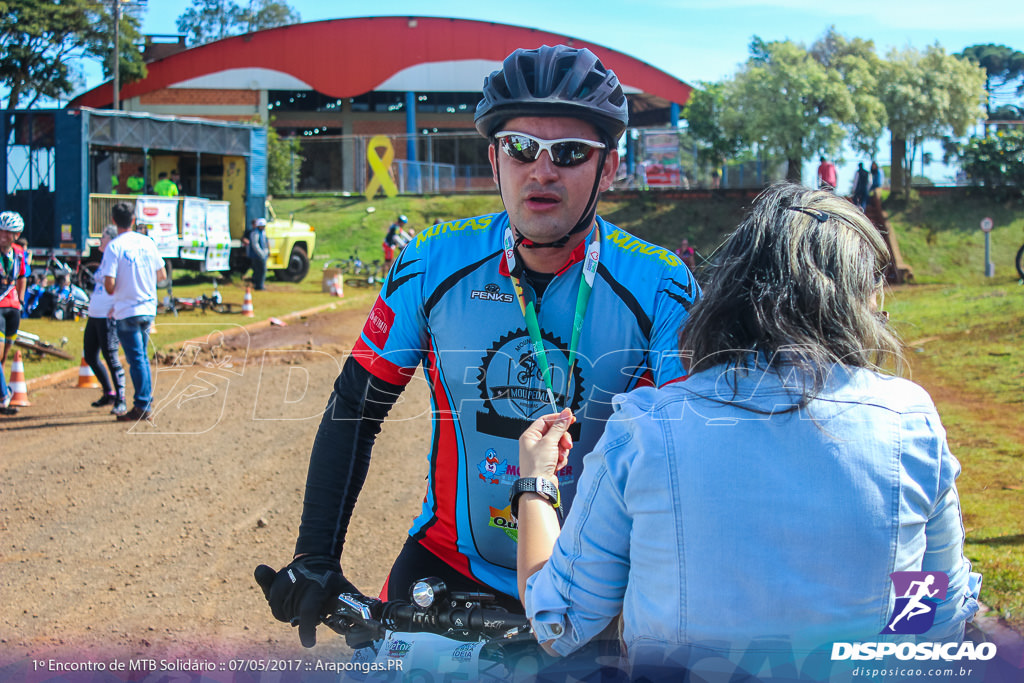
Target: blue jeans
point(3, 385)
point(134, 336)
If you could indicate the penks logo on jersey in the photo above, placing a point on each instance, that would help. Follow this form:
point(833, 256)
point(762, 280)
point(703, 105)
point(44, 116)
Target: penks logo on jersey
point(917, 594)
point(512, 384)
point(378, 324)
point(492, 292)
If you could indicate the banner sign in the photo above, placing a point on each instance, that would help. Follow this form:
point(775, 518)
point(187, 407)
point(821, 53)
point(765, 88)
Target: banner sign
point(158, 216)
point(218, 236)
point(193, 228)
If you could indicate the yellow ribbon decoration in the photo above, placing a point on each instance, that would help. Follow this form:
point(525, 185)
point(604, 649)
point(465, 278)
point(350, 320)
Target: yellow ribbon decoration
point(380, 165)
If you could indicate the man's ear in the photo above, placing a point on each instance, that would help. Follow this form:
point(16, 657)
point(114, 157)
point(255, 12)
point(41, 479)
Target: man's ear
point(493, 158)
point(611, 166)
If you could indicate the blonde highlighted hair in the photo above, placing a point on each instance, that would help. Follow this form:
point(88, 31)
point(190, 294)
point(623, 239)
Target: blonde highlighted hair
point(797, 283)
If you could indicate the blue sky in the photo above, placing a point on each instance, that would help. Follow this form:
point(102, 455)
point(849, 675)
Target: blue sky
point(694, 40)
point(697, 40)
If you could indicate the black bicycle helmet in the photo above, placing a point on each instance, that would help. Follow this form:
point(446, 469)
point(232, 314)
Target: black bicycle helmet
point(553, 81)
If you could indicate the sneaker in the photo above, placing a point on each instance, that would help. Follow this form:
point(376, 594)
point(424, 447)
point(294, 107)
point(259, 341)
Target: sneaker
point(135, 414)
point(7, 410)
point(119, 409)
point(107, 400)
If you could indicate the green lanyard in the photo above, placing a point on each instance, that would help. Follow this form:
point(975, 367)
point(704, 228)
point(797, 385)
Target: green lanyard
point(527, 304)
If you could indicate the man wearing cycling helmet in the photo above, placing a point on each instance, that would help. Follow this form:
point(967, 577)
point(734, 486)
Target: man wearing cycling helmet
point(511, 315)
point(13, 278)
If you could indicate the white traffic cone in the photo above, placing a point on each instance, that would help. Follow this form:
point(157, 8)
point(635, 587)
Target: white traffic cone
point(17, 383)
point(86, 378)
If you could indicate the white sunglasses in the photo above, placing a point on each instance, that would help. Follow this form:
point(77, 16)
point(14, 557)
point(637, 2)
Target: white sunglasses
point(564, 152)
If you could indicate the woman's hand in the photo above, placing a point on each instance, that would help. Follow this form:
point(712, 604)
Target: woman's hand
point(544, 446)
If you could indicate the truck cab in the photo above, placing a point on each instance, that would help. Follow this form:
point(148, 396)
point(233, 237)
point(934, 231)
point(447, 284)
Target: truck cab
point(291, 244)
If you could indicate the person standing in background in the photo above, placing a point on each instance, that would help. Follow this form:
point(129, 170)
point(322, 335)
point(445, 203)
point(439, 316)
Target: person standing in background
point(258, 249)
point(877, 177)
point(101, 337)
point(687, 254)
point(860, 187)
point(130, 269)
point(827, 179)
point(165, 187)
point(136, 182)
point(13, 279)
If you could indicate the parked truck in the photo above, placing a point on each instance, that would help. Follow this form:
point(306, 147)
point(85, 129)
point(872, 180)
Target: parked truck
point(67, 167)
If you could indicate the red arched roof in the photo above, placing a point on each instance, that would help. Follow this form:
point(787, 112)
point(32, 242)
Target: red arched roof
point(350, 57)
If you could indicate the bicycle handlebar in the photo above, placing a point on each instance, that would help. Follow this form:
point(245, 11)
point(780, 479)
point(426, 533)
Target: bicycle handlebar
point(461, 617)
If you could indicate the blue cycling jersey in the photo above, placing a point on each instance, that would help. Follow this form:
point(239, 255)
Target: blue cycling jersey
point(449, 305)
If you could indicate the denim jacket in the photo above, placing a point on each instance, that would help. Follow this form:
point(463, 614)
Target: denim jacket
point(712, 527)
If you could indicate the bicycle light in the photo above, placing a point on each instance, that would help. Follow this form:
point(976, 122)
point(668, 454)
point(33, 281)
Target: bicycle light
point(426, 592)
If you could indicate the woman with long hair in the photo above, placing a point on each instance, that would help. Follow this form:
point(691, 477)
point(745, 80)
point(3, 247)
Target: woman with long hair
point(779, 500)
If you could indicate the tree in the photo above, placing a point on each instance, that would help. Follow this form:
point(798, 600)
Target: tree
point(1003, 67)
point(283, 162)
point(262, 14)
point(996, 162)
point(927, 95)
point(209, 20)
point(133, 68)
point(703, 114)
point(858, 67)
point(40, 39)
point(786, 102)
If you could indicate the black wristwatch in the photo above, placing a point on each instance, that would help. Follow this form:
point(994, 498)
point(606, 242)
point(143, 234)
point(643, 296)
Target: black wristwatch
point(538, 485)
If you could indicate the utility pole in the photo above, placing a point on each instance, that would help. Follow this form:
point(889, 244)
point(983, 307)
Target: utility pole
point(117, 44)
point(117, 54)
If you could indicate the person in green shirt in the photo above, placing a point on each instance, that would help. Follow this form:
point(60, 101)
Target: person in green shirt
point(136, 183)
point(165, 187)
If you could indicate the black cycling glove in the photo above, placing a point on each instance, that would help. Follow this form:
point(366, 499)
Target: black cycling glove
point(298, 593)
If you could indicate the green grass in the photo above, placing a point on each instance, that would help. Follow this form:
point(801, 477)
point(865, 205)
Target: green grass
point(966, 345)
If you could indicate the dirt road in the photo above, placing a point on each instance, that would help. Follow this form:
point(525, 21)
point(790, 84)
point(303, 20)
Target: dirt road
point(139, 542)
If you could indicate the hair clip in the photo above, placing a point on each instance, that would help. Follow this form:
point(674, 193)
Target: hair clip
point(816, 214)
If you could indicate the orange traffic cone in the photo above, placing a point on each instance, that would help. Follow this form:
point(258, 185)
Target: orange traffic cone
point(17, 383)
point(247, 303)
point(86, 378)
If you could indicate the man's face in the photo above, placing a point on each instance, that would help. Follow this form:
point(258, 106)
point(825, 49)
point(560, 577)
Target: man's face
point(6, 239)
point(544, 201)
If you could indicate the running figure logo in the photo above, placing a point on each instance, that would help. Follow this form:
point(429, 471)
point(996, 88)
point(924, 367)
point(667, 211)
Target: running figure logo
point(917, 594)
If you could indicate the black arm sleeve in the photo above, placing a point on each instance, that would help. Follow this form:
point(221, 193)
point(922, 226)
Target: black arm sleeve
point(341, 457)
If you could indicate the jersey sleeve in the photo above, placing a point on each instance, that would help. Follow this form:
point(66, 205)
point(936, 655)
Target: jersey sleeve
point(677, 292)
point(394, 339)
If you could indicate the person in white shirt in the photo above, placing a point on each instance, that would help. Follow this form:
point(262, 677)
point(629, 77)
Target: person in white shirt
point(130, 269)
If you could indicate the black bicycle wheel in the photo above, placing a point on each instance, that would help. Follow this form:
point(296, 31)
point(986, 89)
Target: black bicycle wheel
point(357, 282)
point(1020, 262)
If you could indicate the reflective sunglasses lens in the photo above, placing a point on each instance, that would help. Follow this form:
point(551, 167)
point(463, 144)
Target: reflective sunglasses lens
point(570, 153)
point(520, 147)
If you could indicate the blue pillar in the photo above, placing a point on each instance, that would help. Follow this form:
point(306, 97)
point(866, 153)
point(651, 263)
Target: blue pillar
point(673, 113)
point(410, 126)
point(630, 153)
point(413, 184)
